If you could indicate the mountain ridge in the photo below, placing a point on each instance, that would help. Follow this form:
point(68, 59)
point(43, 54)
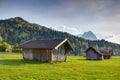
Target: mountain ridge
point(17, 30)
point(88, 35)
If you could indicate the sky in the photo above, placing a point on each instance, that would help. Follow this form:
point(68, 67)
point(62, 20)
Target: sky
point(102, 17)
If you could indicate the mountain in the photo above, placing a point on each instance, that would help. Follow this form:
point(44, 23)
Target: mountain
point(88, 35)
point(17, 30)
point(79, 35)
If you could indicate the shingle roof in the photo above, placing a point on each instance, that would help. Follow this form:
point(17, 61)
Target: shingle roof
point(44, 43)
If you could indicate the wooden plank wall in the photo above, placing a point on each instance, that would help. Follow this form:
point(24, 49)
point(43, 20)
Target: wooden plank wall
point(59, 55)
point(43, 55)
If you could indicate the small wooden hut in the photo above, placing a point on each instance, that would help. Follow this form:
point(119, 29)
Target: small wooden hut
point(106, 54)
point(93, 54)
point(46, 50)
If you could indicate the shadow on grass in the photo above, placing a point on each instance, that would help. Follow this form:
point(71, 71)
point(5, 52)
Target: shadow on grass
point(17, 62)
point(88, 60)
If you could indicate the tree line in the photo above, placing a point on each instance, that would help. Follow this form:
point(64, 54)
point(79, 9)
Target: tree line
point(15, 31)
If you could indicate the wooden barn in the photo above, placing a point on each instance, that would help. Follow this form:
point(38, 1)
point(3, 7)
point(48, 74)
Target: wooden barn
point(106, 54)
point(46, 50)
point(93, 54)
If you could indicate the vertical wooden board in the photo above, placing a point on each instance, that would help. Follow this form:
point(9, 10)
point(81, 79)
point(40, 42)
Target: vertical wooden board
point(45, 54)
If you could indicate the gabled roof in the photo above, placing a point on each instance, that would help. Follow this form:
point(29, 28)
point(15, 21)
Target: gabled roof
point(46, 44)
point(106, 53)
point(91, 48)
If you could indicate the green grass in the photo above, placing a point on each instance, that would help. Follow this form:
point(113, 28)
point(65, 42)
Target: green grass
point(12, 67)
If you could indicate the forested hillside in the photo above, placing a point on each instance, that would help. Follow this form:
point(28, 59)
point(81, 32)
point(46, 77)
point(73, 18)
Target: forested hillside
point(16, 31)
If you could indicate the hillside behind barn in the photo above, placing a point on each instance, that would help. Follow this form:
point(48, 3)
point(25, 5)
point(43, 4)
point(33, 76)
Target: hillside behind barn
point(17, 30)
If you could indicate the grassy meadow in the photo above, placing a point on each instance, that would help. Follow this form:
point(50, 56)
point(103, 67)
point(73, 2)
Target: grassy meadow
point(12, 67)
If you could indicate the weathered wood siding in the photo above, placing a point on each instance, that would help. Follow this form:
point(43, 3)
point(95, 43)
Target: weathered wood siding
point(59, 55)
point(91, 55)
point(43, 55)
point(27, 54)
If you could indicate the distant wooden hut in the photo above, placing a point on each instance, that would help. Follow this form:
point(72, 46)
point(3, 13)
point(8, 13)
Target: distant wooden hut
point(46, 50)
point(93, 54)
point(106, 54)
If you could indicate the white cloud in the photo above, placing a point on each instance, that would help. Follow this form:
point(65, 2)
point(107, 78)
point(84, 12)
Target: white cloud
point(115, 39)
point(103, 36)
point(71, 30)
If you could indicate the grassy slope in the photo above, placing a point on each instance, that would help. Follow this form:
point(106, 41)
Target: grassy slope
point(76, 68)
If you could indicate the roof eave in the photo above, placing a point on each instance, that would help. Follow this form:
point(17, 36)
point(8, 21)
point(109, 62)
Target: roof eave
point(63, 43)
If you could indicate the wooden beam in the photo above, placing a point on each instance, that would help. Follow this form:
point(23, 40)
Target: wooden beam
point(61, 44)
point(51, 55)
